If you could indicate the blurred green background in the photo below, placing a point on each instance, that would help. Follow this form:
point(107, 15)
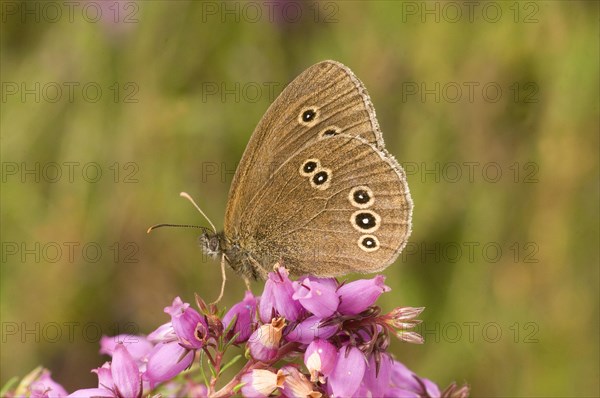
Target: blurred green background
point(492, 107)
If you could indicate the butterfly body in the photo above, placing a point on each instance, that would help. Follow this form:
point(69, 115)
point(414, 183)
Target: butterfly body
point(316, 188)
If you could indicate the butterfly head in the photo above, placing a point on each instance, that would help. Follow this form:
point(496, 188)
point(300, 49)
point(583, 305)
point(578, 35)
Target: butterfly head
point(211, 243)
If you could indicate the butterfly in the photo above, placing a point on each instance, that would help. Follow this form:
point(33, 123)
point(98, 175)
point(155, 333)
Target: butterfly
point(315, 190)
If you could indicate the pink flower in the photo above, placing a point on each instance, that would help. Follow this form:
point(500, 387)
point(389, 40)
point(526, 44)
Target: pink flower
point(359, 295)
point(310, 329)
point(246, 313)
point(44, 386)
point(261, 383)
point(264, 342)
point(404, 382)
point(121, 378)
point(166, 361)
point(348, 372)
point(296, 385)
point(320, 358)
point(375, 384)
point(138, 347)
point(277, 298)
point(190, 327)
point(318, 298)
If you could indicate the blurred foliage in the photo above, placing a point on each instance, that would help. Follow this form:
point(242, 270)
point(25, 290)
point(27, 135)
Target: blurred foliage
point(159, 128)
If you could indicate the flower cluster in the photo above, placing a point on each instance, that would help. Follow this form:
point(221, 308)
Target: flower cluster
point(313, 337)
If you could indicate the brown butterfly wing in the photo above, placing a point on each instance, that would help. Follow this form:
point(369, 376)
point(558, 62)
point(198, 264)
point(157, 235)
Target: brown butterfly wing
point(319, 227)
point(342, 105)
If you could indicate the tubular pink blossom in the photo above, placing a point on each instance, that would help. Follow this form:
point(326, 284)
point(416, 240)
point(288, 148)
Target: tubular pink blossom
point(359, 295)
point(264, 342)
point(318, 298)
point(125, 373)
point(320, 358)
point(246, 312)
point(310, 329)
point(190, 327)
point(296, 385)
point(261, 383)
point(277, 295)
point(348, 372)
point(166, 361)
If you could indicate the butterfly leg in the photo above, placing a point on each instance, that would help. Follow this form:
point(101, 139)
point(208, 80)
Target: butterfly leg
point(224, 279)
point(247, 282)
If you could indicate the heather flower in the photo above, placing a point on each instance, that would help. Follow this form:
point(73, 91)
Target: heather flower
point(405, 383)
point(166, 361)
point(163, 334)
point(244, 313)
point(125, 374)
point(320, 358)
point(337, 330)
point(311, 328)
point(39, 383)
point(359, 295)
point(264, 342)
point(120, 378)
point(376, 381)
point(347, 373)
point(260, 383)
point(137, 346)
point(189, 326)
point(277, 298)
point(296, 385)
point(318, 298)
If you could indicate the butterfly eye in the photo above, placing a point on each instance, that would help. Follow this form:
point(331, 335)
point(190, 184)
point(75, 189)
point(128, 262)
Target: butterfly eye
point(368, 243)
point(308, 167)
point(365, 221)
point(308, 116)
point(361, 197)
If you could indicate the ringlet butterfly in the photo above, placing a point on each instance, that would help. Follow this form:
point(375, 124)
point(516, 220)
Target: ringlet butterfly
point(315, 190)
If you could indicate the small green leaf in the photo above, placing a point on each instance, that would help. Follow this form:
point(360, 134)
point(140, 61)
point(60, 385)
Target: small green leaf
point(202, 368)
point(231, 324)
point(8, 385)
point(230, 363)
point(230, 342)
point(238, 387)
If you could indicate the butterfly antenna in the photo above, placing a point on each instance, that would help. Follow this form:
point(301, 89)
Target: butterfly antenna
point(152, 228)
point(188, 197)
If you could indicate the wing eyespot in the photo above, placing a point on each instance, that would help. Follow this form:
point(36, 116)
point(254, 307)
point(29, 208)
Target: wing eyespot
point(309, 116)
point(309, 167)
point(368, 243)
point(361, 197)
point(321, 179)
point(366, 221)
point(329, 132)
